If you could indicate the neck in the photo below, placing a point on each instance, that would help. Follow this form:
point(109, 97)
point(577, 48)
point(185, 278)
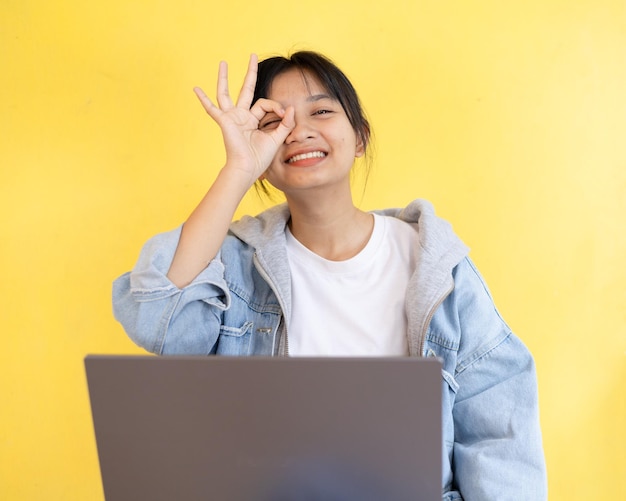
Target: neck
point(335, 231)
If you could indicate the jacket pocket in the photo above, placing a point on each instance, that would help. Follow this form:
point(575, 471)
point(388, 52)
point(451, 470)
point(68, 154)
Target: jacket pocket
point(235, 341)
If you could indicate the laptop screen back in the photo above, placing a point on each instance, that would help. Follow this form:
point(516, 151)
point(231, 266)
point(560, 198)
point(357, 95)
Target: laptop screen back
point(267, 429)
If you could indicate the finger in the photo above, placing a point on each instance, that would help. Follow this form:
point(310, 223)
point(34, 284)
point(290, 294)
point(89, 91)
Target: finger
point(264, 106)
point(249, 83)
point(286, 125)
point(207, 104)
point(223, 96)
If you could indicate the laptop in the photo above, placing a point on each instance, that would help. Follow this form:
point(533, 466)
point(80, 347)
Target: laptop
point(267, 429)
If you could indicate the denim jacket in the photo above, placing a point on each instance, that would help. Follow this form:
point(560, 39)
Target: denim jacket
point(241, 303)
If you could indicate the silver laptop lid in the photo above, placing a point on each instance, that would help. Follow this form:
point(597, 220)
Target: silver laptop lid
point(267, 429)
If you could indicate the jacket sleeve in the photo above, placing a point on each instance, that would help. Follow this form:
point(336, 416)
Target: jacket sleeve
point(160, 317)
point(498, 452)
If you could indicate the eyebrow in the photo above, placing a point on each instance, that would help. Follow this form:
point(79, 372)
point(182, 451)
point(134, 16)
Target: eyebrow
point(318, 97)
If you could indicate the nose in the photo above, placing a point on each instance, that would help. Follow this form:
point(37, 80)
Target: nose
point(301, 132)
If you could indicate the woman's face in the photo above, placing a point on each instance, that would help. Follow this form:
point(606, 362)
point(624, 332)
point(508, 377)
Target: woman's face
point(320, 150)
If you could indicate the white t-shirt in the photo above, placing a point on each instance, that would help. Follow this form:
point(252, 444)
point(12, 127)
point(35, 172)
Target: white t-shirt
point(354, 307)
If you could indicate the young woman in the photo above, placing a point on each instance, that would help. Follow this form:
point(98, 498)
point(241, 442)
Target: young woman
point(318, 276)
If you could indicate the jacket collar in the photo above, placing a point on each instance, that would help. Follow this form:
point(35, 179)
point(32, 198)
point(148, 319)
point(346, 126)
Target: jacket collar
point(265, 233)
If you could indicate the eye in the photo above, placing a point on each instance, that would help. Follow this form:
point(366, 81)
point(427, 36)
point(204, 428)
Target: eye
point(270, 124)
point(323, 112)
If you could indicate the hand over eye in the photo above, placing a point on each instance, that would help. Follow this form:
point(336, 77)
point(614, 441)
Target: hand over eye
point(251, 143)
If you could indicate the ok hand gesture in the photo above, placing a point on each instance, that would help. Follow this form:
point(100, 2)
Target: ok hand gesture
point(248, 149)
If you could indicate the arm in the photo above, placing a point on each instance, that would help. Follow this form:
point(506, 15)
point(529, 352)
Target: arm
point(172, 301)
point(160, 317)
point(498, 450)
point(249, 152)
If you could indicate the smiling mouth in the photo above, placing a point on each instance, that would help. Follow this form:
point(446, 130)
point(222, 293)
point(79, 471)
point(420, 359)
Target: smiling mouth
point(305, 156)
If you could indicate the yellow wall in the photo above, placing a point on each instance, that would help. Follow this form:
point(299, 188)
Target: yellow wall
point(509, 116)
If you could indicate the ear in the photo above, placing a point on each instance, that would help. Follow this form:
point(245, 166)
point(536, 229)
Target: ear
point(361, 145)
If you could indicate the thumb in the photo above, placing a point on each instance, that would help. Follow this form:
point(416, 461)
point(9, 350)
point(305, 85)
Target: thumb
point(286, 125)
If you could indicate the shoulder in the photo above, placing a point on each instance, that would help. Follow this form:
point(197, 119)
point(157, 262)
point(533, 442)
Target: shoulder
point(435, 235)
point(264, 227)
point(468, 322)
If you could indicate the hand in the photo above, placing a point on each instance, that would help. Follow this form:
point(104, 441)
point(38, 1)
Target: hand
point(247, 148)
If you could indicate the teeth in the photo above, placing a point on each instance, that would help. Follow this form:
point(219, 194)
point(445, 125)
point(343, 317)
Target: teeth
point(303, 156)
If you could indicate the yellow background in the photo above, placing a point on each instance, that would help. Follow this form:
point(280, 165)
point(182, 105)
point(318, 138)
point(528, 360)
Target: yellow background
point(510, 116)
